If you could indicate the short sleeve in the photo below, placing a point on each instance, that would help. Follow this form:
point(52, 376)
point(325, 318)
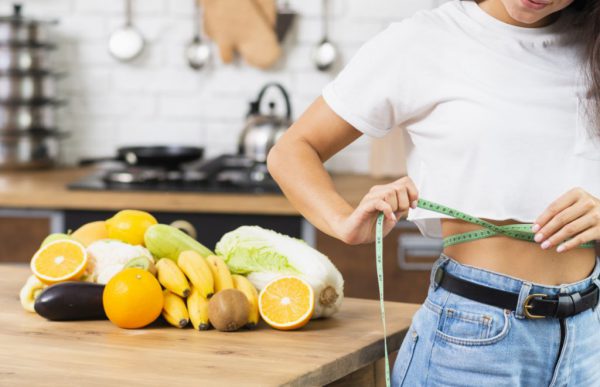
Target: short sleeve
point(371, 92)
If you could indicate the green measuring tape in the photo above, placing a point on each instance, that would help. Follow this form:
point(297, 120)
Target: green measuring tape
point(519, 231)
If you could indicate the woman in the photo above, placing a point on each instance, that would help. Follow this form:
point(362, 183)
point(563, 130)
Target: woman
point(500, 100)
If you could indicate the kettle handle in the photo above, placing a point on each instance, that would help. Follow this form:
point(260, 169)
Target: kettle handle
point(286, 97)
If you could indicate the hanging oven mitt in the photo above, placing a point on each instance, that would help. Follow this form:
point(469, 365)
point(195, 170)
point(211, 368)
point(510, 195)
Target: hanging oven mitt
point(243, 26)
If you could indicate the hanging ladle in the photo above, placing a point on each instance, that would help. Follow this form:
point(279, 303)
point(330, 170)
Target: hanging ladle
point(197, 51)
point(127, 42)
point(325, 53)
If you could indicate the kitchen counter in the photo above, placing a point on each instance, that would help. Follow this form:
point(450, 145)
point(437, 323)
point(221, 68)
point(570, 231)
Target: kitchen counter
point(34, 351)
point(47, 190)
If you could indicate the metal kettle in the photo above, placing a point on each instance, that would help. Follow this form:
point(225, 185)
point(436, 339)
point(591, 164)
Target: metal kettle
point(263, 130)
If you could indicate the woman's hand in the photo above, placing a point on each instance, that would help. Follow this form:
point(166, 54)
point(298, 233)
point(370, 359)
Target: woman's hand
point(576, 215)
point(392, 199)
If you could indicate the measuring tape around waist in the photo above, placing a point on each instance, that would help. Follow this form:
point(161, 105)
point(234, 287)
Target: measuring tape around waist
point(519, 231)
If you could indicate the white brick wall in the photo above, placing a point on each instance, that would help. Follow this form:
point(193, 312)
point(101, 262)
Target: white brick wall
point(157, 99)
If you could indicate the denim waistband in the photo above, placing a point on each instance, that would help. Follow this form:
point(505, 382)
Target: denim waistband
point(508, 283)
point(511, 284)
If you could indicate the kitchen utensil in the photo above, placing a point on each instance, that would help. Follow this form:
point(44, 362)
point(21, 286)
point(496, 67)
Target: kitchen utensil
point(325, 53)
point(24, 58)
point(169, 157)
point(127, 42)
point(263, 130)
point(16, 29)
point(197, 51)
point(244, 27)
point(27, 87)
point(285, 19)
point(24, 117)
point(29, 150)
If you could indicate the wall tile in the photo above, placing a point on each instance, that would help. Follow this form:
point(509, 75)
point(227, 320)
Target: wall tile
point(157, 98)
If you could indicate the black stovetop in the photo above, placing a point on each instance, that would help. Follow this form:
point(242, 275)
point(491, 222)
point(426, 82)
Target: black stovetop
point(224, 174)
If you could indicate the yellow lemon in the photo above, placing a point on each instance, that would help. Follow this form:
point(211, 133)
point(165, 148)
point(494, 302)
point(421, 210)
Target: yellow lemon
point(129, 226)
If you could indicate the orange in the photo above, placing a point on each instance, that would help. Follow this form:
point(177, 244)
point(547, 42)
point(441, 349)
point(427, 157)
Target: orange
point(132, 298)
point(129, 226)
point(287, 303)
point(60, 260)
point(90, 233)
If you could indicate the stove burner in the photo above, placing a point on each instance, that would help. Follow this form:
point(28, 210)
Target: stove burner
point(227, 173)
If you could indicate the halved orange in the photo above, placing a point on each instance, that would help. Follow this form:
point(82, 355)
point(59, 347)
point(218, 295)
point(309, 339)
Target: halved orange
point(287, 303)
point(58, 261)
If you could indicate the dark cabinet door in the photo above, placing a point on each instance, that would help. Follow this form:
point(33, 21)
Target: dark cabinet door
point(406, 274)
point(22, 234)
point(209, 227)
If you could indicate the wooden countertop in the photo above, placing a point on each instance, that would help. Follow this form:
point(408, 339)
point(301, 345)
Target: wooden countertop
point(34, 351)
point(47, 190)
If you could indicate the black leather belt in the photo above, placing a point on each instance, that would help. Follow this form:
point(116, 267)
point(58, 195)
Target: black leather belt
point(535, 305)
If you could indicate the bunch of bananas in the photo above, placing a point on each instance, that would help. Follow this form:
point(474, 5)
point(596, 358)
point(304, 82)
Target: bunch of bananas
point(191, 281)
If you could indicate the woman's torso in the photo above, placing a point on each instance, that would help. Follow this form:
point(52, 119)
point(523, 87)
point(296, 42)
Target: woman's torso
point(520, 259)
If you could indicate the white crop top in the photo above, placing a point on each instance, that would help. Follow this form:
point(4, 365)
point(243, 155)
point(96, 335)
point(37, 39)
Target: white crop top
point(494, 112)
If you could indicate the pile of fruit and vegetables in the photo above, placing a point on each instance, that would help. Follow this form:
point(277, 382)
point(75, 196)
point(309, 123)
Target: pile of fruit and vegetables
point(132, 270)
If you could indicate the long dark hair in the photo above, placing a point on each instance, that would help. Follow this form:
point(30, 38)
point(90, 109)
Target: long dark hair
point(588, 21)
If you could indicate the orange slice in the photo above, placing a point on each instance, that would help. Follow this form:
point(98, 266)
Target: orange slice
point(59, 261)
point(287, 303)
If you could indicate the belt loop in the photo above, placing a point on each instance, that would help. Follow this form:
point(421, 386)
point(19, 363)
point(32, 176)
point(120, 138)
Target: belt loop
point(596, 282)
point(525, 290)
point(441, 261)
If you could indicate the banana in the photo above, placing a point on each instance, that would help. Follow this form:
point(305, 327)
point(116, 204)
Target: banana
point(244, 285)
point(171, 277)
point(220, 273)
point(32, 288)
point(197, 270)
point(174, 310)
point(198, 310)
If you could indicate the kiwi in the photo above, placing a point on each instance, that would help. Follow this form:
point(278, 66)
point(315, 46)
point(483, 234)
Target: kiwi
point(141, 262)
point(228, 310)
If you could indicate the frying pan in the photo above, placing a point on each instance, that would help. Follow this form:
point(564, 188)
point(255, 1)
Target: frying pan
point(169, 157)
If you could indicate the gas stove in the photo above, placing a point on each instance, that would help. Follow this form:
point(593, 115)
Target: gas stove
point(223, 174)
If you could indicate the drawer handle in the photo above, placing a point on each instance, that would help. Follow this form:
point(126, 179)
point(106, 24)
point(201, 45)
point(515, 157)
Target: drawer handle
point(186, 227)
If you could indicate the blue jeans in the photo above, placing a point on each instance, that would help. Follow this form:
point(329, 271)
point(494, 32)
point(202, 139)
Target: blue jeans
point(454, 341)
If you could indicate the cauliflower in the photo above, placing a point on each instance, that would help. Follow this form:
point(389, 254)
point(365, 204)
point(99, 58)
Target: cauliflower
point(108, 257)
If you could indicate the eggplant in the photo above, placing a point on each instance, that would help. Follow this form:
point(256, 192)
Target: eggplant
point(70, 301)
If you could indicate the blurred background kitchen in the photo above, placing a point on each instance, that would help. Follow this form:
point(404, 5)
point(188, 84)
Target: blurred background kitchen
point(85, 108)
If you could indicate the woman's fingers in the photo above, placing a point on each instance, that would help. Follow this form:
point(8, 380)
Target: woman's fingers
point(572, 229)
point(560, 221)
point(386, 208)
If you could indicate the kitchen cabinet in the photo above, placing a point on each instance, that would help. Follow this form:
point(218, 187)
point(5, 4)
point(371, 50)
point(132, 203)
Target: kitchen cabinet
point(406, 267)
point(22, 231)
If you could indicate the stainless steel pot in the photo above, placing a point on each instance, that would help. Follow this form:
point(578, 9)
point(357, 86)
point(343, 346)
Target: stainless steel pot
point(16, 29)
point(29, 150)
point(20, 117)
point(27, 87)
point(24, 58)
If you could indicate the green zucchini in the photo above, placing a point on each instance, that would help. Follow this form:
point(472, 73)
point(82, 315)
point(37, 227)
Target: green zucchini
point(165, 241)
point(69, 301)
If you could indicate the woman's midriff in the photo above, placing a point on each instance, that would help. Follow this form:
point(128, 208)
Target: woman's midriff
point(517, 258)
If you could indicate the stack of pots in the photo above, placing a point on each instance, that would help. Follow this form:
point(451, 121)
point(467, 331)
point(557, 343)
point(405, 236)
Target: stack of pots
point(28, 132)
